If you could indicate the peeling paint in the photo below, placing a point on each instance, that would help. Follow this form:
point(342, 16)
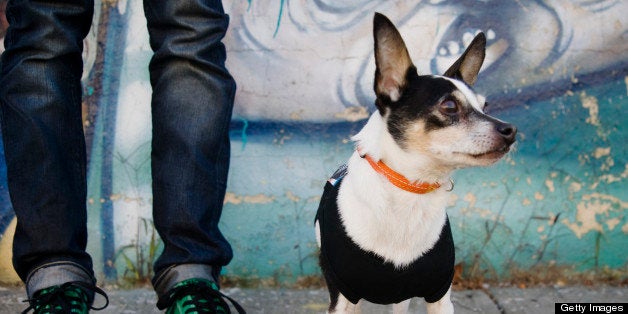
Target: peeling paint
point(248, 199)
point(471, 208)
point(550, 185)
point(609, 177)
point(605, 197)
point(601, 152)
point(291, 196)
point(612, 223)
point(128, 199)
point(586, 220)
point(552, 219)
point(297, 115)
point(607, 164)
point(588, 210)
point(471, 199)
point(353, 113)
point(575, 187)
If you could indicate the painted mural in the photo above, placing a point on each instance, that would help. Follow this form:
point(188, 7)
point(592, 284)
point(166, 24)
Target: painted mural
point(557, 69)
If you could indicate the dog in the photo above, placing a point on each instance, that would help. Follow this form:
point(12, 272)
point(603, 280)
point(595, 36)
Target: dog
point(381, 225)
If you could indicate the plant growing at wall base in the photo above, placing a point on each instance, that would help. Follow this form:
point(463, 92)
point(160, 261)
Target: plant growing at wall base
point(138, 258)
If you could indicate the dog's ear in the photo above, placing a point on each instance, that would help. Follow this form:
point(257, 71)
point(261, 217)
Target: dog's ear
point(467, 67)
point(392, 61)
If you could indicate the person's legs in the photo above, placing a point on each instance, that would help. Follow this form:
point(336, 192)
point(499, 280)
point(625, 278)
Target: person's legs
point(40, 101)
point(191, 106)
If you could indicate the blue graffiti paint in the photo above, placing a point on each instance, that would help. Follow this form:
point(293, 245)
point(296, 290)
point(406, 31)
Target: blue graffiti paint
point(116, 40)
point(281, 4)
point(6, 210)
point(279, 16)
point(241, 130)
point(89, 90)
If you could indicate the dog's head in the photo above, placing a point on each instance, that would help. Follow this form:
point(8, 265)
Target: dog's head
point(437, 116)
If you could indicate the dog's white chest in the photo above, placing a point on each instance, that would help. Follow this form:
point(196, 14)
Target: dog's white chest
point(394, 224)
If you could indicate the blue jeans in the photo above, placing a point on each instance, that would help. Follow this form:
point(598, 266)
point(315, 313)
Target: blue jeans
point(40, 101)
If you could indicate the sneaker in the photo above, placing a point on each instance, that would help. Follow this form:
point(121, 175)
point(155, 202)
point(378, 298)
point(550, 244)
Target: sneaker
point(196, 296)
point(70, 297)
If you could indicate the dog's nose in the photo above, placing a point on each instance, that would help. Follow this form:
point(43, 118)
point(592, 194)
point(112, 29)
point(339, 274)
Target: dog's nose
point(507, 130)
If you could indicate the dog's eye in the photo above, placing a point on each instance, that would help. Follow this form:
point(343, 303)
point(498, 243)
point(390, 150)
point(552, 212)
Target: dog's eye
point(448, 107)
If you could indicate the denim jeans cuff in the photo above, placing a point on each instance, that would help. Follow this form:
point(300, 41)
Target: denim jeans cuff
point(168, 278)
point(56, 273)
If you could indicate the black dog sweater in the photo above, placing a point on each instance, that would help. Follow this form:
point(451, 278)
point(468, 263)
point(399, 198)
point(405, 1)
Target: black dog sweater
point(359, 274)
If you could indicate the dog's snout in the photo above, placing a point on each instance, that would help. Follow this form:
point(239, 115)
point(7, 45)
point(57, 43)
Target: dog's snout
point(507, 131)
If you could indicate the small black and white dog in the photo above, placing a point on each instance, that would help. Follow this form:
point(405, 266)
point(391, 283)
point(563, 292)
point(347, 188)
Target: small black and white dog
point(383, 232)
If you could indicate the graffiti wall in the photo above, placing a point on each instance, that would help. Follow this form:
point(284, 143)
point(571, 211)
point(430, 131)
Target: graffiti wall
point(556, 69)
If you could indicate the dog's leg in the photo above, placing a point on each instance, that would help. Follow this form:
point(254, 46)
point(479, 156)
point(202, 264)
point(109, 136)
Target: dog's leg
point(344, 306)
point(401, 307)
point(442, 306)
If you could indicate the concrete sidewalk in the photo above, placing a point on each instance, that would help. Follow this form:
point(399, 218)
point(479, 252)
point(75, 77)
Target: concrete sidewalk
point(278, 301)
